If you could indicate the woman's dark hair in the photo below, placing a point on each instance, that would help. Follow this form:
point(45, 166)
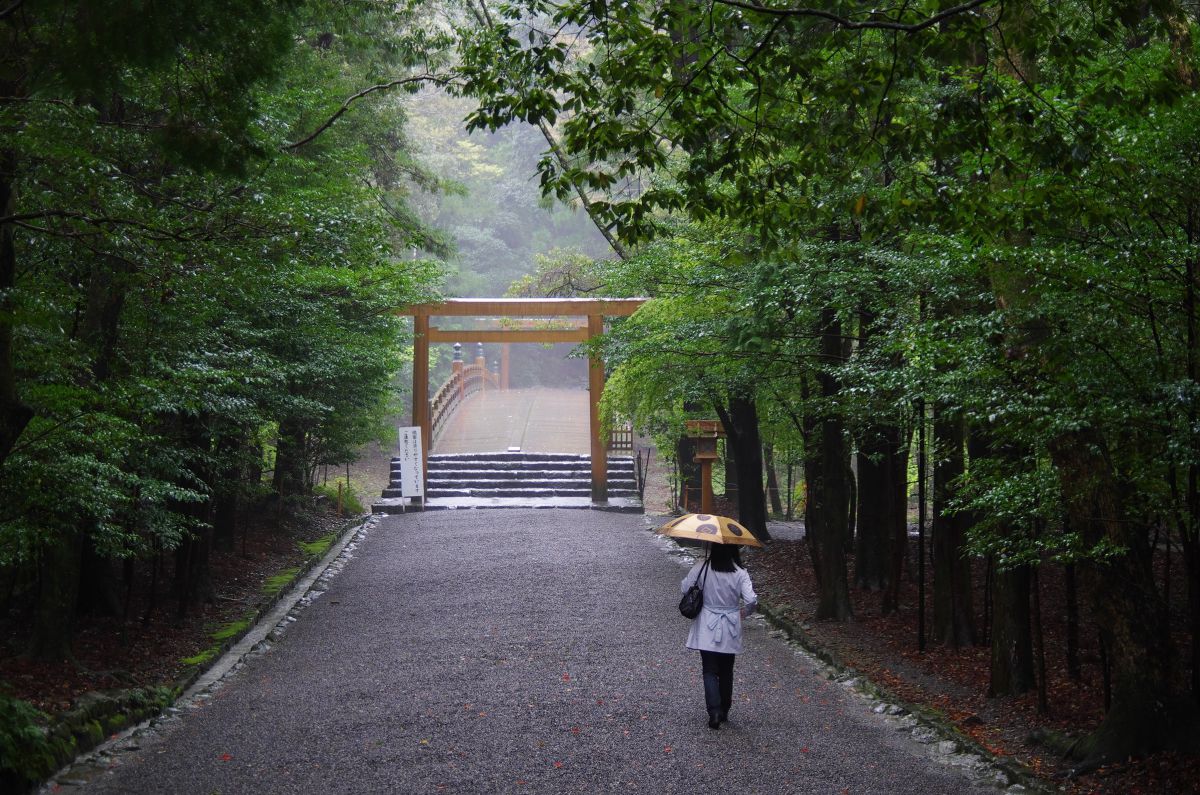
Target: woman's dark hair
point(724, 557)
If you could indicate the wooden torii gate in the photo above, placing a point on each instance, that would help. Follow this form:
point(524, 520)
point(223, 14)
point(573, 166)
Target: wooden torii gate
point(594, 309)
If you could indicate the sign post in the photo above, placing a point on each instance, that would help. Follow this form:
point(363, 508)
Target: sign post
point(411, 482)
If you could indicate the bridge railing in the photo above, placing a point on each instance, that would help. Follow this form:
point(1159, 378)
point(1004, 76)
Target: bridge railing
point(458, 387)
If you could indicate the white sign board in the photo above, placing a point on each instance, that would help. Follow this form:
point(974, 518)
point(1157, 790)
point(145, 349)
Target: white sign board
point(411, 484)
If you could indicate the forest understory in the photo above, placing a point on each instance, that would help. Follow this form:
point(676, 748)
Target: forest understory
point(954, 682)
point(148, 643)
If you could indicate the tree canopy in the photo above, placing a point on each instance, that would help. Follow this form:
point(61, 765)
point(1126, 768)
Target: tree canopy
point(974, 220)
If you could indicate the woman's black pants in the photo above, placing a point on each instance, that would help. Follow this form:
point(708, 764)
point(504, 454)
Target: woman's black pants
point(718, 681)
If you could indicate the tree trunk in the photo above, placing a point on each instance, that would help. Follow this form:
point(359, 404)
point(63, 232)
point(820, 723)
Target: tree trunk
point(1192, 556)
point(1146, 714)
point(953, 610)
point(73, 576)
point(98, 593)
point(193, 581)
point(741, 432)
point(895, 549)
point(773, 498)
point(1012, 636)
point(226, 507)
point(58, 590)
point(731, 470)
point(874, 525)
point(192, 577)
point(226, 488)
point(825, 469)
point(291, 468)
point(1011, 633)
point(1072, 609)
point(851, 500)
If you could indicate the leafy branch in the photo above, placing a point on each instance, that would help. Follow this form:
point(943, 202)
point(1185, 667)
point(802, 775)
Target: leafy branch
point(849, 24)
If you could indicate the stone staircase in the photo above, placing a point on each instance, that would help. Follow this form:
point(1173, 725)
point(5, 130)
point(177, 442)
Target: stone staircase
point(516, 480)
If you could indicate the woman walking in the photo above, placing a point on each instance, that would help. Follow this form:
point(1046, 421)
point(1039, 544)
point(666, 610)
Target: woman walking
point(717, 631)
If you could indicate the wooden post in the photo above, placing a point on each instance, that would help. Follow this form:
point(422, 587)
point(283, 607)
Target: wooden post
point(456, 369)
point(504, 351)
point(595, 389)
point(706, 493)
point(420, 395)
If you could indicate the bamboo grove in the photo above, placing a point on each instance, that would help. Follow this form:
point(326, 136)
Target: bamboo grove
point(974, 225)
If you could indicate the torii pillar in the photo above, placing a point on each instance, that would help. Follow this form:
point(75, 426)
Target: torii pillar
point(595, 389)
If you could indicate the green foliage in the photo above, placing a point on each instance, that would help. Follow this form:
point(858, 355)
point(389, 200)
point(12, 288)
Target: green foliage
point(26, 753)
point(499, 226)
point(351, 502)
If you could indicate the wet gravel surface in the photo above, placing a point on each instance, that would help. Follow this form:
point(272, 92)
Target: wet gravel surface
point(522, 651)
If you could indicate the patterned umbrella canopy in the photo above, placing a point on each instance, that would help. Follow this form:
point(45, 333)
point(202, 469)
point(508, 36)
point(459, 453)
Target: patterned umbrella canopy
point(707, 527)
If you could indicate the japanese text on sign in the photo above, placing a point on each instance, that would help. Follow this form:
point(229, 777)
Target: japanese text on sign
point(411, 484)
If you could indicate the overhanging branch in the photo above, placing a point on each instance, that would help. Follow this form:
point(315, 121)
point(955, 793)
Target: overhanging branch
point(424, 78)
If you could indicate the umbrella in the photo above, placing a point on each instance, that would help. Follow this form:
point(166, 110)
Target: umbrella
point(707, 527)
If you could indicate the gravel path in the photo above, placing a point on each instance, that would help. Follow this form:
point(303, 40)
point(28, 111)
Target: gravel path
point(473, 651)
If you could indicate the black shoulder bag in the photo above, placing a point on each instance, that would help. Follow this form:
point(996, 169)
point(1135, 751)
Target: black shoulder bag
point(693, 600)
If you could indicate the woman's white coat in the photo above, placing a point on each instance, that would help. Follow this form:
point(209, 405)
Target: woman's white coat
point(726, 594)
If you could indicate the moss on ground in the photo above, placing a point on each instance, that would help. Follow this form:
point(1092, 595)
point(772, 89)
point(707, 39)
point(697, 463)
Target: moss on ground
point(203, 657)
point(317, 548)
point(283, 579)
point(235, 628)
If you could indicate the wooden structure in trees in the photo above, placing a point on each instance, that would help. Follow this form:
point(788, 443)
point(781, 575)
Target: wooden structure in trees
point(706, 433)
point(593, 309)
